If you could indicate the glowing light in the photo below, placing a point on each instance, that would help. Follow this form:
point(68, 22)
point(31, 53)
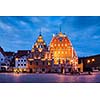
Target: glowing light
point(40, 49)
point(62, 49)
point(35, 58)
point(48, 63)
point(93, 60)
point(30, 59)
point(32, 50)
point(88, 61)
point(16, 58)
point(20, 70)
point(39, 57)
point(24, 69)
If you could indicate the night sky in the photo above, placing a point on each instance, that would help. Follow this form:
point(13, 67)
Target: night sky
point(20, 33)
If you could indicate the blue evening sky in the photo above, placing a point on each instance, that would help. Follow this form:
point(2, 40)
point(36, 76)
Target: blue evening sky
point(20, 33)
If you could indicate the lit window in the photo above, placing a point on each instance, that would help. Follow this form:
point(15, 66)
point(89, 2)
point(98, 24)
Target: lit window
point(62, 44)
point(48, 63)
point(40, 49)
point(44, 43)
point(55, 44)
point(58, 44)
point(93, 60)
point(58, 52)
point(88, 61)
point(51, 45)
point(16, 58)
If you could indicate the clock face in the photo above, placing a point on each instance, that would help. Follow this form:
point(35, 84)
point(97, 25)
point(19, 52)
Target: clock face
point(60, 38)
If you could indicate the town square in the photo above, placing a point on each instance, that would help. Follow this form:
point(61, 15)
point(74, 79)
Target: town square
point(61, 59)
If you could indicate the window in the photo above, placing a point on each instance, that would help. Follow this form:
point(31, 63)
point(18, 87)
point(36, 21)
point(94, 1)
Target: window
point(62, 52)
point(21, 60)
point(43, 62)
point(21, 64)
point(48, 63)
point(1, 59)
point(18, 64)
point(24, 60)
point(60, 39)
point(24, 64)
point(58, 52)
point(36, 63)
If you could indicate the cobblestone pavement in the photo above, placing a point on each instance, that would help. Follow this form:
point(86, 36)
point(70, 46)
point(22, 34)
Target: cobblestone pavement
point(49, 78)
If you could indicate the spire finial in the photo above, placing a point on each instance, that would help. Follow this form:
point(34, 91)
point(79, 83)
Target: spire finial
point(40, 31)
point(60, 28)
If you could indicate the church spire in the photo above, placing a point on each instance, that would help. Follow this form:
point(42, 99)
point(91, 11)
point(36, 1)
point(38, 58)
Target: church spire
point(40, 32)
point(60, 28)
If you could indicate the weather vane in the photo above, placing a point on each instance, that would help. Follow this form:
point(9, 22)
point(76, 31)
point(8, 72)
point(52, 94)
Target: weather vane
point(40, 31)
point(60, 28)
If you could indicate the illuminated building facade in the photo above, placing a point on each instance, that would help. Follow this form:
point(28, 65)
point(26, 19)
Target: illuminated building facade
point(63, 51)
point(40, 59)
point(21, 59)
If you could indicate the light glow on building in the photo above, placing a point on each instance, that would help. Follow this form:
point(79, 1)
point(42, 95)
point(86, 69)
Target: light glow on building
point(62, 49)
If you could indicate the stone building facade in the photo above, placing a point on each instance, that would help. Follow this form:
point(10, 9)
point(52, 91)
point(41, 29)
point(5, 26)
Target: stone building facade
point(64, 55)
point(40, 59)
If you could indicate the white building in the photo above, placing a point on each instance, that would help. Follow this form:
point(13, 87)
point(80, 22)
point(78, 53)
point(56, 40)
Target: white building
point(2, 57)
point(21, 59)
point(10, 58)
point(21, 62)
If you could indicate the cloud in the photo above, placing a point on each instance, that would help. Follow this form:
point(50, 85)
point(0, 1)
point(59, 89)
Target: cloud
point(96, 37)
point(22, 31)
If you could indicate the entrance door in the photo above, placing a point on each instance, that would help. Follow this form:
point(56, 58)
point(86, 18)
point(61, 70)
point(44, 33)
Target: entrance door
point(43, 69)
point(31, 70)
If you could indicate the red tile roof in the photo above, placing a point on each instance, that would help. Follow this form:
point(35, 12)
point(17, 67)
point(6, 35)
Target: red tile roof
point(9, 53)
point(21, 53)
